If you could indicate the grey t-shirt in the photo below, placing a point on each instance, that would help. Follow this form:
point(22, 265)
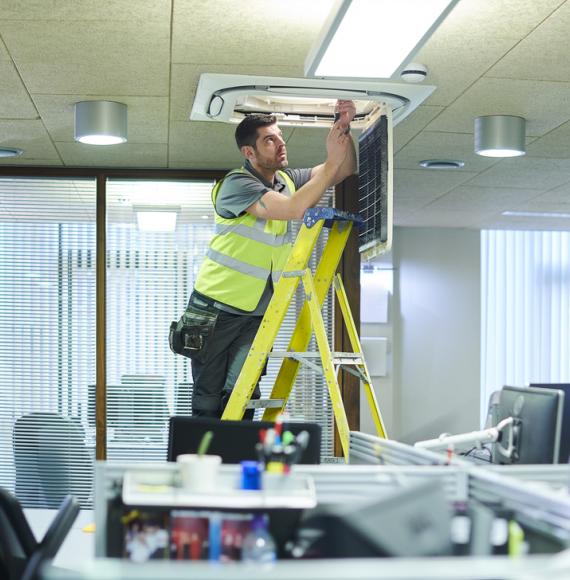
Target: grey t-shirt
point(240, 190)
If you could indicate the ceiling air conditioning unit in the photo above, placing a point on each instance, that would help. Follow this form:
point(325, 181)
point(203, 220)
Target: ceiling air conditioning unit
point(300, 102)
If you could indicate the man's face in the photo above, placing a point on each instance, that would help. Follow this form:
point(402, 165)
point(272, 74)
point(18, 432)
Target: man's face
point(269, 151)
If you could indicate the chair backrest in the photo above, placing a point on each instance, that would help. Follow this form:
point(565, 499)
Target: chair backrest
point(21, 556)
point(51, 460)
point(234, 441)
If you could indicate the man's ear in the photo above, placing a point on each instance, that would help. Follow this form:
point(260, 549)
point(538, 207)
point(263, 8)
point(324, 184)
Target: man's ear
point(247, 151)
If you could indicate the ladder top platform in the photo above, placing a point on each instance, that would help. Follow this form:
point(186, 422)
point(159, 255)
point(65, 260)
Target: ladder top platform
point(329, 214)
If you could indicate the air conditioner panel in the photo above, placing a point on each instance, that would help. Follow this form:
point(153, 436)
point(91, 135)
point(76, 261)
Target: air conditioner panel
point(305, 102)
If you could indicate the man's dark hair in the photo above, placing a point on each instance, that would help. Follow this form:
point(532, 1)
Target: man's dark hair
point(246, 132)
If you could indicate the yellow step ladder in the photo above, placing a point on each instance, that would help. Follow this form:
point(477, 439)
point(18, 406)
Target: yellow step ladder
point(310, 320)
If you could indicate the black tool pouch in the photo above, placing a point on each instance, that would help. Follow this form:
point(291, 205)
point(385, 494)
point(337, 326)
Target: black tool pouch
point(191, 334)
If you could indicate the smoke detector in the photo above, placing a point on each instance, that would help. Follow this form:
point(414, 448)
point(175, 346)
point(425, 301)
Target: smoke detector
point(414, 73)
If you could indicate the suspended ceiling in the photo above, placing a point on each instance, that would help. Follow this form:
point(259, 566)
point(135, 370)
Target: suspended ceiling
point(489, 57)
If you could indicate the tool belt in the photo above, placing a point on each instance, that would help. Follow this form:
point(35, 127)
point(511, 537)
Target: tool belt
point(191, 334)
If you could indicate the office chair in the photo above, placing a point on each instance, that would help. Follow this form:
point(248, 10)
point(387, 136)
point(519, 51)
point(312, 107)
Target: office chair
point(21, 555)
point(51, 460)
point(234, 441)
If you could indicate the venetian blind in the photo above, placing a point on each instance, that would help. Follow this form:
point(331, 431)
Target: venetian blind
point(525, 311)
point(47, 338)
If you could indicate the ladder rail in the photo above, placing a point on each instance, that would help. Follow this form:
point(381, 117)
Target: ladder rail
point(327, 362)
point(357, 347)
point(277, 309)
point(301, 336)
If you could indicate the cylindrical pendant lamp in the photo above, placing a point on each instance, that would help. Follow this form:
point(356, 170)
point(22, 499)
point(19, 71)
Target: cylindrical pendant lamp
point(100, 122)
point(500, 136)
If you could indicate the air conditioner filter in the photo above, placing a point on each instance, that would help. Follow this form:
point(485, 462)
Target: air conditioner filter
point(375, 185)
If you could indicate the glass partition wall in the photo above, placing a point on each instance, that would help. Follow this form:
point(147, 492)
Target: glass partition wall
point(48, 351)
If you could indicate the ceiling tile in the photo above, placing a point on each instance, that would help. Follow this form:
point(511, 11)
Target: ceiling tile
point(29, 135)
point(440, 219)
point(439, 145)
point(542, 104)
point(497, 18)
point(470, 198)
point(414, 189)
point(203, 145)
point(543, 54)
point(412, 125)
point(228, 32)
point(558, 195)
point(473, 38)
point(147, 116)
point(453, 65)
point(31, 161)
point(86, 10)
point(4, 56)
point(554, 144)
point(526, 172)
point(124, 155)
point(124, 58)
point(15, 103)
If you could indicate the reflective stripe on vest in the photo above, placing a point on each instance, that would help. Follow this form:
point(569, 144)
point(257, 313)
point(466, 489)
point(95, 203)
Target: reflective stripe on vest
point(243, 253)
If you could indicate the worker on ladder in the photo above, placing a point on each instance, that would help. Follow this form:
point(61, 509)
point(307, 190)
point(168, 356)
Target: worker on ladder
point(251, 244)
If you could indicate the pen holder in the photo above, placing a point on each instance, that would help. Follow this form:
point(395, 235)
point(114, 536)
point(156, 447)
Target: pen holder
point(199, 472)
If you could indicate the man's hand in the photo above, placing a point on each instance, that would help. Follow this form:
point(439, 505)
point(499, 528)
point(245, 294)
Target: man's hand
point(347, 111)
point(337, 145)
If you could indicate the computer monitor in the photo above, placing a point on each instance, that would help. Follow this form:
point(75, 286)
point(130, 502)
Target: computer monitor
point(537, 415)
point(234, 441)
point(564, 455)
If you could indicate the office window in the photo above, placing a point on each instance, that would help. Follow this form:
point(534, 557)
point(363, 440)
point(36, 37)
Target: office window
point(47, 338)
point(149, 278)
point(525, 317)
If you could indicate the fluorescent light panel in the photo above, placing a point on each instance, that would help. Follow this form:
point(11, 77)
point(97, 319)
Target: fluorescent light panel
point(374, 38)
point(157, 219)
point(535, 214)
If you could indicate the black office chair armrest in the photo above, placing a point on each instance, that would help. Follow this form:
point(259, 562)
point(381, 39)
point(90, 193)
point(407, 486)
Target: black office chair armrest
point(60, 526)
point(53, 538)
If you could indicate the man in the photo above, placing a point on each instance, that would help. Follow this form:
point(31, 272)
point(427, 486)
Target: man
point(250, 247)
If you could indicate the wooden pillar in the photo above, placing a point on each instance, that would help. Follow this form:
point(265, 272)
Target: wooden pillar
point(346, 198)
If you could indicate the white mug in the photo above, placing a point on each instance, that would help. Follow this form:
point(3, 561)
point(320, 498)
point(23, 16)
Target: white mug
point(199, 472)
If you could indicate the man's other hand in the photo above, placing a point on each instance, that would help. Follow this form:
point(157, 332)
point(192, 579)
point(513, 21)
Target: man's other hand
point(347, 111)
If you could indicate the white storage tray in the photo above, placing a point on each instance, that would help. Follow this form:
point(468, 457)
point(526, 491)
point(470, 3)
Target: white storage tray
point(162, 488)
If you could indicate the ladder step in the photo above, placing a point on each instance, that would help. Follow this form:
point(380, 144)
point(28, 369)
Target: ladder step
point(265, 404)
point(342, 358)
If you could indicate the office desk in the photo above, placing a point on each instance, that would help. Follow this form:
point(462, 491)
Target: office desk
point(496, 568)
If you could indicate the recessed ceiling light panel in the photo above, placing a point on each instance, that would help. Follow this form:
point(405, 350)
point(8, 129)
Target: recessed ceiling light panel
point(373, 38)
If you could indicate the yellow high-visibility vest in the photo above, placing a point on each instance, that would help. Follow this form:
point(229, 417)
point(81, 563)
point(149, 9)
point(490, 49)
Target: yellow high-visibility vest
point(243, 253)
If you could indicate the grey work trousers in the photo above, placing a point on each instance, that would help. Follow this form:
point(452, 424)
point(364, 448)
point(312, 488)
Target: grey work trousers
point(216, 370)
